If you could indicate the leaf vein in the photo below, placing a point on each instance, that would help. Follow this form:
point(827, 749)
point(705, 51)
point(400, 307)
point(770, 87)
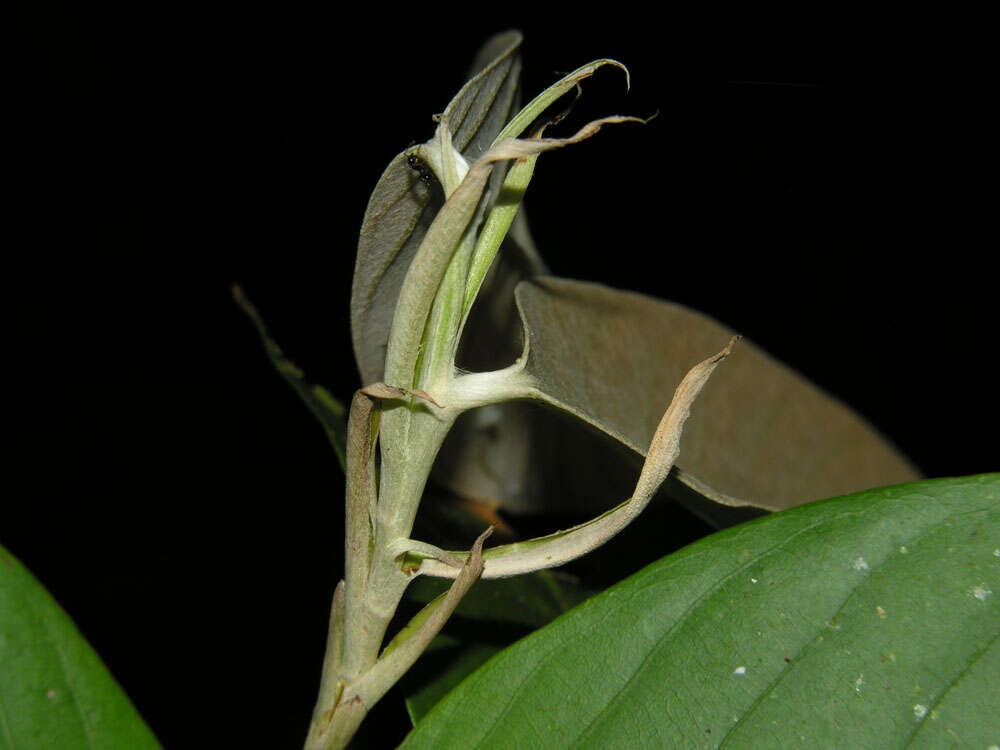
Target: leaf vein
point(87, 729)
point(973, 660)
point(866, 581)
point(712, 589)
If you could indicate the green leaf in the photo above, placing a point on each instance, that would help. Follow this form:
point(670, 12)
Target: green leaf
point(327, 409)
point(54, 690)
point(455, 662)
point(864, 621)
point(531, 600)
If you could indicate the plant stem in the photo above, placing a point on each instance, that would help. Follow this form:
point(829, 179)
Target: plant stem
point(374, 581)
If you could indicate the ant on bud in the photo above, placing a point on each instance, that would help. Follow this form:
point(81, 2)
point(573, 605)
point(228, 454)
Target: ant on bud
point(421, 168)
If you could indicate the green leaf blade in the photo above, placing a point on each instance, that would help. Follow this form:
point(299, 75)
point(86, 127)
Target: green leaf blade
point(863, 621)
point(461, 662)
point(54, 690)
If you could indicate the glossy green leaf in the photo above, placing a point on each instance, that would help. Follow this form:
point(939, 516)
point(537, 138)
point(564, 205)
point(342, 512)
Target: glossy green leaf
point(869, 620)
point(54, 690)
point(531, 600)
point(455, 662)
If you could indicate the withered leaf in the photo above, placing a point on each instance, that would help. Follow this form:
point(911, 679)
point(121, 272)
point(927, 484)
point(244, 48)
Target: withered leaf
point(563, 546)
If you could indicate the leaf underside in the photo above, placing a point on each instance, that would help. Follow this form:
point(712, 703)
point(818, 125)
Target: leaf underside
point(759, 434)
point(54, 690)
point(864, 621)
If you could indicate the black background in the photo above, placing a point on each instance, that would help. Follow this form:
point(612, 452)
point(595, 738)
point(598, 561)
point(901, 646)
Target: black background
point(172, 492)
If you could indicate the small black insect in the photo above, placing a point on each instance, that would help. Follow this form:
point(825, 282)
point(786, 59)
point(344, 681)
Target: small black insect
point(418, 165)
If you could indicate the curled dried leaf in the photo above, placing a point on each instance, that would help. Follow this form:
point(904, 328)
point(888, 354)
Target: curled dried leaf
point(401, 653)
point(563, 546)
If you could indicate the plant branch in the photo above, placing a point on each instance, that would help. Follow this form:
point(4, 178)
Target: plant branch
point(345, 704)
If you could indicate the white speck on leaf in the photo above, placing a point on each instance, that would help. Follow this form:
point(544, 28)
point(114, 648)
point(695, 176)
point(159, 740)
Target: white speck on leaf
point(996, 553)
point(740, 670)
point(881, 612)
point(980, 592)
point(753, 580)
point(859, 564)
point(920, 710)
point(903, 550)
point(858, 683)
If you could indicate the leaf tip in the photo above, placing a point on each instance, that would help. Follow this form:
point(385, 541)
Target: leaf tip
point(477, 546)
point(241, 299)
point(424, 396)
point(624, 68)
point(737, 338)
